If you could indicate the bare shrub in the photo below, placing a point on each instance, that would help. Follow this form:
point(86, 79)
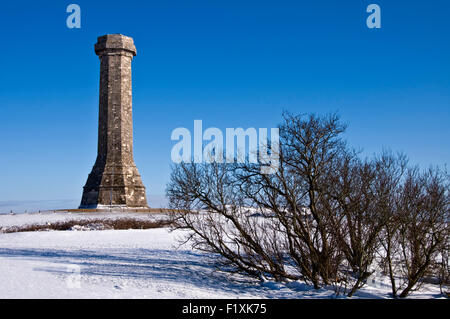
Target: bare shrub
point(210, 205)
point(417, 229)
point(442, 268)
point(294, 194)
point(357, 194)
point(326, 216)
point(295, 243)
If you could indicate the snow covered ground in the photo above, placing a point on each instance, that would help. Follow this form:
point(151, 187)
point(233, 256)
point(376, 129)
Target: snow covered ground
point(131, 264)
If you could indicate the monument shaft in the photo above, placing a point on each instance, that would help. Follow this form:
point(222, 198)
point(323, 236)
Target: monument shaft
point(115, 180)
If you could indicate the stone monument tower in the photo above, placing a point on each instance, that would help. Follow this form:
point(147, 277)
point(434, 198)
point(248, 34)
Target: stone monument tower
point(115, 180)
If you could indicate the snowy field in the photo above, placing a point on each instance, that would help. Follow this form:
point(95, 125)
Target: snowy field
point(131, 264)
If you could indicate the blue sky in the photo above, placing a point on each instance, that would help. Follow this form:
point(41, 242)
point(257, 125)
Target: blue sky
point(228, 63)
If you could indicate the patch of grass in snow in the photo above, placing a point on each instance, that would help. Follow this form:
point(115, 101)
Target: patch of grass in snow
point(93, 224)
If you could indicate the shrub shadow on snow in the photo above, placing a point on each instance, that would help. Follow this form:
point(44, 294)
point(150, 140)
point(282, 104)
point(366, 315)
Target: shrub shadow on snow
point(147, 265)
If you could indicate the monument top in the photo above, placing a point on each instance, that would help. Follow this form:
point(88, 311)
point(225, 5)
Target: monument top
point(114, 42)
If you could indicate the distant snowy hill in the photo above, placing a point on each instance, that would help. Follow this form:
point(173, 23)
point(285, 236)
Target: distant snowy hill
point(36, 205)
point(18, 207)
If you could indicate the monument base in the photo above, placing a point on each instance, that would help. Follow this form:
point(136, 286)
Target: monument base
point(109, 207)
